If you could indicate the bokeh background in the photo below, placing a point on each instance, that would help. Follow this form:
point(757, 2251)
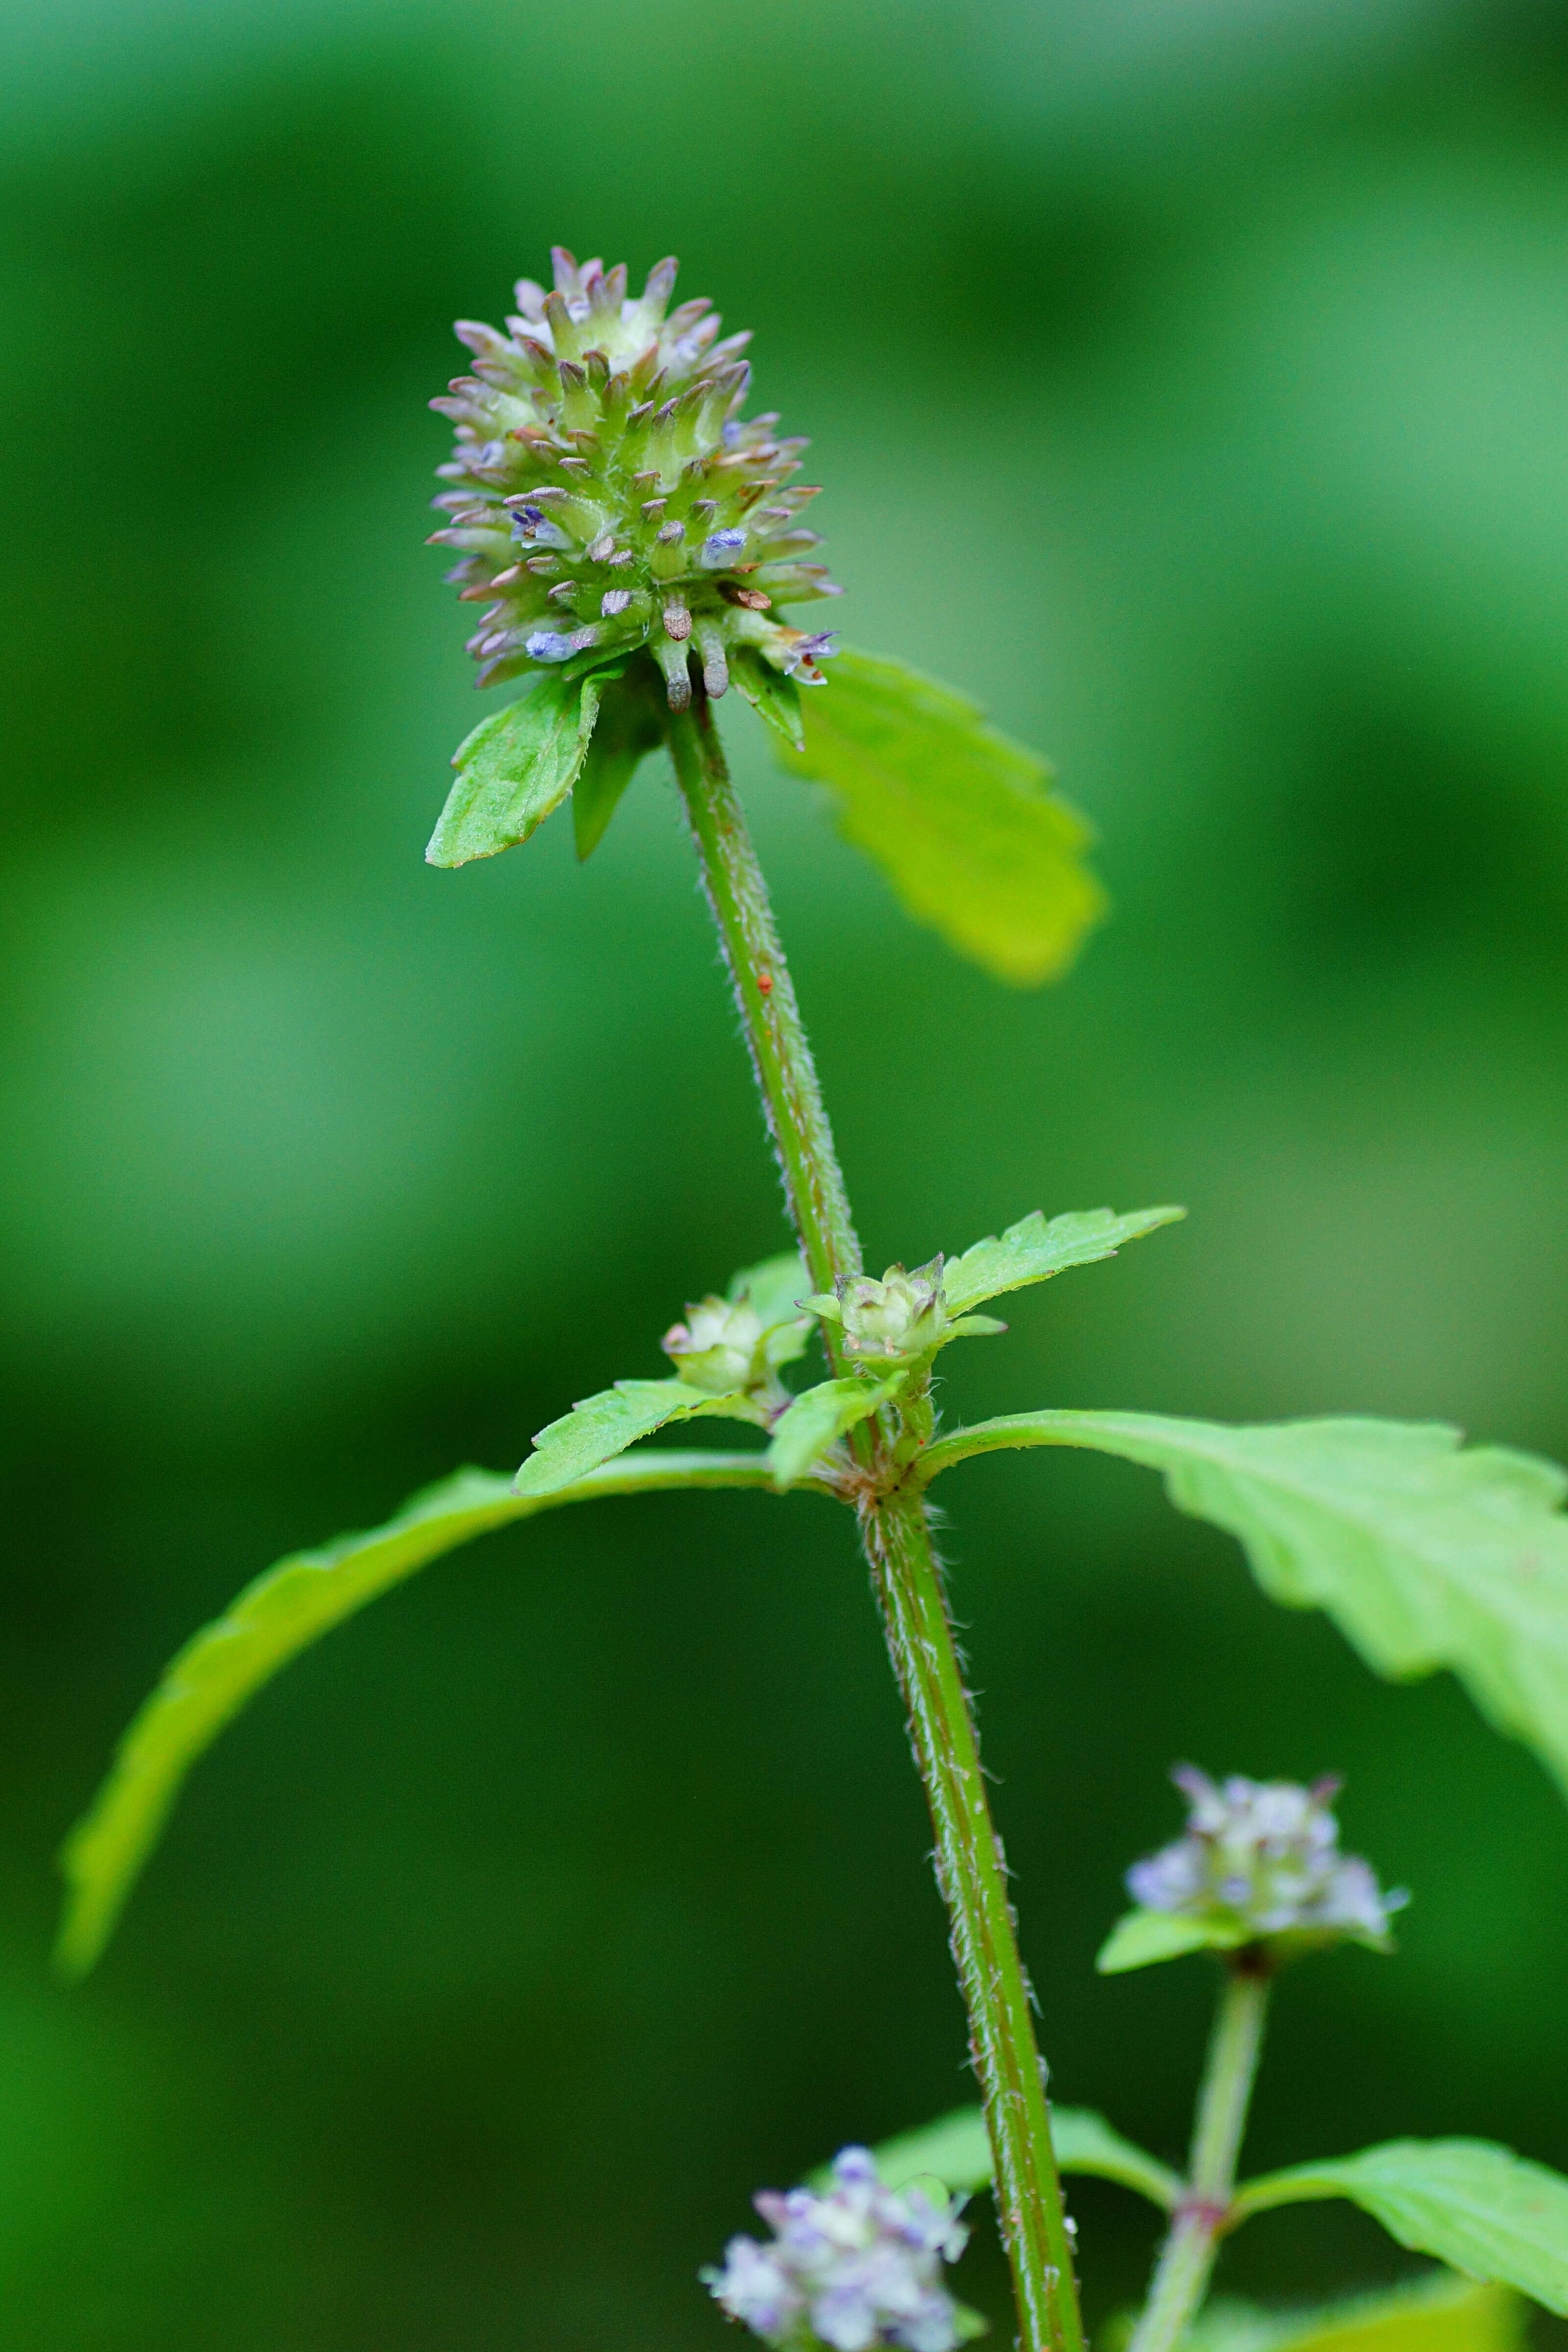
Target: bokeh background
point(1189, 382)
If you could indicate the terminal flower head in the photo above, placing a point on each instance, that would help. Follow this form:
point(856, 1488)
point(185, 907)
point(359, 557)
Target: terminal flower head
point(1263, 1857)
point(610, 501)
point(857, 2266)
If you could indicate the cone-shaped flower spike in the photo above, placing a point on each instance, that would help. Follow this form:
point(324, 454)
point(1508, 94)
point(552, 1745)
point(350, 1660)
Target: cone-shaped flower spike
point(609, 498)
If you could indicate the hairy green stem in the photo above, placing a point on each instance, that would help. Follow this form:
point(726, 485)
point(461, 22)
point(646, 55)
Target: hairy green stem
point(786, 1074)
point(971, 1871)
point(1182, 2274)
point(973, 1877)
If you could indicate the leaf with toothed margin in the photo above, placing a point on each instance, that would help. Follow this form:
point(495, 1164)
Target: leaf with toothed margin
point(603, 1426)
point(1032, 1251)
point(518, 765)
point(627, 729)
point(805, 1431)
point(1425, 1552)
point(775, 698)
point(1477, 2207)
point(959, 818)
point(956, 2150)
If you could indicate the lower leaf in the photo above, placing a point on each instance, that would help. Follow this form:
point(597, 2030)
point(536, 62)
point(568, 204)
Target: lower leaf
point(1478, 2208)
point(272, 1620)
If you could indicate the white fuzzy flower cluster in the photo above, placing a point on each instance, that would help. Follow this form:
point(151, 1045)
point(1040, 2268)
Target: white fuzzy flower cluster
point(1267, 1853)
point(858, 2267)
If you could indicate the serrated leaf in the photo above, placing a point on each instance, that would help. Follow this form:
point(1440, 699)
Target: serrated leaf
point(959, 818)
point(604, 1426)
point(518, 765)
point(1441, 2313)
point(818, 1417)
point(1477, 2207)
point(626, 729)
point(277, 1616)
point(1032, 1251)
point(773, 697)
point(1425, 1552)
point(956, 2150)
point(1141, 1937)
point(777, 1288)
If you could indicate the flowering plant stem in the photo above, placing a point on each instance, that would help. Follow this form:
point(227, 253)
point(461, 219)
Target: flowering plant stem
point(1182, 2274)
point(895, 1530)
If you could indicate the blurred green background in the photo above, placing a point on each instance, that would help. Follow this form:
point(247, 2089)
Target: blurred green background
point(1189, 382)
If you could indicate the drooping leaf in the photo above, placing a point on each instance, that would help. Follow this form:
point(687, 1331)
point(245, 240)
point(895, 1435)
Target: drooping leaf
point(1032, 1251)
point(518, 765)
point(775, 1288)
point(775, 698)
point(1425, 1552)
point(959, 818)
point(818, 1417)
point(956, 2150)
point(1440, 2313)
point(1477, 2207)
point(604, 1426)
point(1141, 1937)
point(275, 1618)
point(627, 729)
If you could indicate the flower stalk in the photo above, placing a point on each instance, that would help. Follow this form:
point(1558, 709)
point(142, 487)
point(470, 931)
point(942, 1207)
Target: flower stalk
point(895, 1531)
point(1182, 2274)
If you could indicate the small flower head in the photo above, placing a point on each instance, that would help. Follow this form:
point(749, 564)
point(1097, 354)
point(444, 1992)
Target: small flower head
point(895, 1320)
point(720, 1347)
point(1263, 1857)
point(858, 2267)
point(610, 498)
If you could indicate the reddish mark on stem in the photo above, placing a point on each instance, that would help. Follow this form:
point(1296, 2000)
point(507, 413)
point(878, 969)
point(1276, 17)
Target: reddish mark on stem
point(764, 983)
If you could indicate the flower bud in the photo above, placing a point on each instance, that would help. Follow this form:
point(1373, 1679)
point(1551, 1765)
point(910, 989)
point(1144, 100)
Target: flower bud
point(1262, 1856)
point(895, 1320)
point(858, 2267)
point(719, 1349)
point(602, 430)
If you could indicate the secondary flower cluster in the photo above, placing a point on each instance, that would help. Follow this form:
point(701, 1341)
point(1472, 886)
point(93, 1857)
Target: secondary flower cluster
point(609, 496)
point(1266, 1854)
point(858, 2267)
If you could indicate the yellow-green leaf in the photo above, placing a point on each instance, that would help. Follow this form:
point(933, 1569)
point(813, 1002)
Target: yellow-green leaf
point(960, 819)
point(272, 1620)
point(518, 765)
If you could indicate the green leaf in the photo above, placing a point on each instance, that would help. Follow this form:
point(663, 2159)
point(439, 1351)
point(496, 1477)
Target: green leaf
point(777, 1288)
point(603, 1426)
point(1426, 1553)
point(628, 728)
point(959, 817)
point(1477, 2207)
point(516, 766)
point(272, 1620)
point(773, 697)
point(956, 2150)
point(1439, 2312)
point(1141, 1937)
point(1032, 1251)
point(819, 1415)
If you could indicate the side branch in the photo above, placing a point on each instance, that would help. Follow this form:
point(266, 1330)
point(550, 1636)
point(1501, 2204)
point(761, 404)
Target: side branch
point(276, 1617)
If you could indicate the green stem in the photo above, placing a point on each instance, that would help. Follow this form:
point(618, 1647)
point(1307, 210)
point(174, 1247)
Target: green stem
point(973, 1876)
point(786, 1074)
point(970, 1866)
point(1182, 2274)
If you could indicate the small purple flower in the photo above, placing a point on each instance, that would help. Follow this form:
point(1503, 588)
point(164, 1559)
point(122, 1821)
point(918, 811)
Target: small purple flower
point(1267, 1853)
point(856, 2268)
point(720, 548)
point(549, 645)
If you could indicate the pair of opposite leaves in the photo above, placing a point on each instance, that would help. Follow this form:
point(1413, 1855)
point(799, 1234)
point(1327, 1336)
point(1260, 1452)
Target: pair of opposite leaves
point(1497, 2218)
point(959, 818)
